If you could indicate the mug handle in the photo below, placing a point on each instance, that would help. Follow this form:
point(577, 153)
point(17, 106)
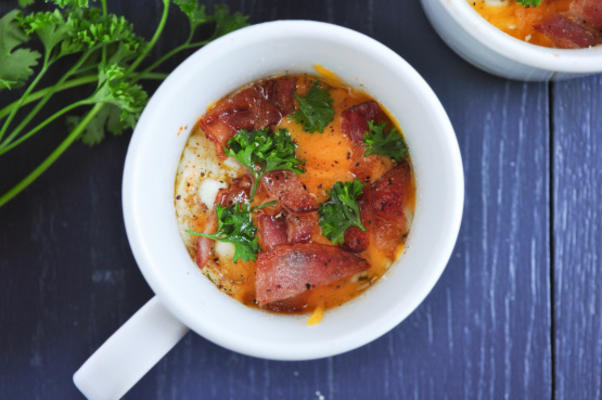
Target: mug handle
point(129, 353)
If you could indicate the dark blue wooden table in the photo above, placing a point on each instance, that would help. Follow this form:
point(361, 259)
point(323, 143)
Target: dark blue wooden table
point(516, 315)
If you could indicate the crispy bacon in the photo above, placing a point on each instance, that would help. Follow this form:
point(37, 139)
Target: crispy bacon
point(237, 192)
point(588, 11)
point(255, 107)
point(271, 230)
point(286, 187)
point(203, 244)
point(383, 211)
point(289, 270)
point(355, 119)
point(285, 227)
point(567, 34)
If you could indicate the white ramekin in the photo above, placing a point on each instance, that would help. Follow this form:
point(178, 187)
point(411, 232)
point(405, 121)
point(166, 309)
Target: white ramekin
point(185, 298)
point(488, 48)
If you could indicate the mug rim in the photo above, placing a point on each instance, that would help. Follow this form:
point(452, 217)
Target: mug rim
point(580, 61)
point(392, 316)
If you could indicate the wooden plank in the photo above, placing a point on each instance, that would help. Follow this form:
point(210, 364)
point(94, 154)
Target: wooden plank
point(67, 278)
point(577, 128)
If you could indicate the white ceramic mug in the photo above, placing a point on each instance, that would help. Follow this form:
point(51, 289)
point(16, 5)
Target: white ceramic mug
point(185, 298)
point(490, 49)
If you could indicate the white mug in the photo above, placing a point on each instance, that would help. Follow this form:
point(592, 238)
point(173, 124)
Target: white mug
point(185, 298)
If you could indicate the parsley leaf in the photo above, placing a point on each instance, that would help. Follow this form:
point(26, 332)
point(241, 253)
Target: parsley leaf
point(389, 144)
point(107, 119)
point(315, 109)
point(72, 3)
point(196, 14)
point(234, 225)
point(263, 151)
point(115, 88)
point(25, 3)
point(529, 3)
point(16, 65)
point(226, 22)
point(341, 210)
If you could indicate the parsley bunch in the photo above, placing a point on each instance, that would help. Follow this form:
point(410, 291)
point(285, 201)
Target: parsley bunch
point(263, 151)
point(389, 144)
point(315, 109)
point(108, 58)
point(341, 210)
point(235, 226)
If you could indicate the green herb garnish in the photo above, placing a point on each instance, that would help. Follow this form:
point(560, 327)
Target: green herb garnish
point(105, 63)
point(234, 225)
point(389, 144)
point(263, 151)
point(341, 210)
point(529, 3)
point(315, 109)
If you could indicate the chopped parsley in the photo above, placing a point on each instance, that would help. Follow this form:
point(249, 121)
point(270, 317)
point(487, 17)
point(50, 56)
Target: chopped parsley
point(234, 225)
point(529, 3)
point(389, 144)
point(315, 109)
point(263, 151)
point(341, 210)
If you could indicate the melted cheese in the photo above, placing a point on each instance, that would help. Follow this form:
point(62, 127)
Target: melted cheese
point(520, 21)
point(327, 160)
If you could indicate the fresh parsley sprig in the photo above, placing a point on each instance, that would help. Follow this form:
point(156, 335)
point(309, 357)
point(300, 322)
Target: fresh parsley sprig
point(341, 210)
point(107, 57)
point(263, 151)
point(529, 3)
point(234, 225)
point(315, 109)
point(390, 144)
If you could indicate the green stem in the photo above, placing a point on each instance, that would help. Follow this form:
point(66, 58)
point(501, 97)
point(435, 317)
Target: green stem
point(104, 48)
point(33, 84)
point(44, 100)
point(184, 46)
point(154, 39)
point(58, 114)
point(84, 80)
point(33, 175)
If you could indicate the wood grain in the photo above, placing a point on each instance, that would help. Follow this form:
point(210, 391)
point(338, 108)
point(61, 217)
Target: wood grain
point(577, 132)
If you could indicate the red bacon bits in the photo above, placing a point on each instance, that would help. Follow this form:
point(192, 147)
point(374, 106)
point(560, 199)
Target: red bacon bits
point(289, 270)
point(588, 11)
point(355, 119)
point(256, 107)
point(286, 187)
point(272, 230)
point(237, 192)
point(567, 34)
point(285, 227)
point(383, 211)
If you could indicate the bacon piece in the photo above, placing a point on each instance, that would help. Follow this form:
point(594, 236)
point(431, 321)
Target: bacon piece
point(289, 270)
point(566, 34)
point(271, 230)
point(355, 119)
point(383, 208)
point(285, 227)
point(237, 192)
point(588, 11)
point(281, 93)
point(286, 187)
point(300, 226)
point(256, 107)
point(203, 244)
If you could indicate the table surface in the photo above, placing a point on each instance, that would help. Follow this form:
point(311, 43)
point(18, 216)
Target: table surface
point(516, 314)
